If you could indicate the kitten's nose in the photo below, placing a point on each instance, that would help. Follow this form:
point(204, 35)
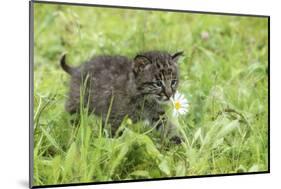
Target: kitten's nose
point(169, 93)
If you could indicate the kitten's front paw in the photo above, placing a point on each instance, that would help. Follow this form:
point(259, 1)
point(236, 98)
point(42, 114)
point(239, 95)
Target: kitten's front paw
point(176, 140)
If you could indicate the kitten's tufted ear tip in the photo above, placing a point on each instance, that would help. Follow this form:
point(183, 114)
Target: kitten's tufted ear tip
point(177, 55)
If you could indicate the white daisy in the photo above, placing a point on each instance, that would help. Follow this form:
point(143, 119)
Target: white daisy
point(180, 104)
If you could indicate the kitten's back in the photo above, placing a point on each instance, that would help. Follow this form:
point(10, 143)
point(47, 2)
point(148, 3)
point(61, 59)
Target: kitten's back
point(106, 76)
point(107, 67)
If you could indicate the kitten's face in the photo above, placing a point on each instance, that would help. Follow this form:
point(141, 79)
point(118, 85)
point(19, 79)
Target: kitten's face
point(157, 75)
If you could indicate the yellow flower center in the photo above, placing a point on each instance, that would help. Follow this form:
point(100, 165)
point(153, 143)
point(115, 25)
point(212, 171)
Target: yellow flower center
point(177, 105)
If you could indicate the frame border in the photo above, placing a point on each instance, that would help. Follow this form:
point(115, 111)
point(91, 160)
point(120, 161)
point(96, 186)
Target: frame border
point(148, 8)
point(31, 92)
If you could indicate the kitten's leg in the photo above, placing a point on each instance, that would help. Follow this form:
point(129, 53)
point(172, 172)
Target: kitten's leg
point(167, 128)
point(112, 126)
point(72, 106)
point(73, 102)
point(173, 132)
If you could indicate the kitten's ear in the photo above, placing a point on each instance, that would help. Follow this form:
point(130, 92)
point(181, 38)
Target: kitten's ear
point(177, 55)
point(140, 61)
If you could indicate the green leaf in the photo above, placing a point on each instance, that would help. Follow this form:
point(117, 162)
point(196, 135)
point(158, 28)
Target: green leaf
point(51, 139)
point(241, 169)
point(141, 173)
point(254, 168)
point(226, 129)
point(164, 167)
point(197, 134)
point(70, 158)
point(117, 159)
point(180, 169)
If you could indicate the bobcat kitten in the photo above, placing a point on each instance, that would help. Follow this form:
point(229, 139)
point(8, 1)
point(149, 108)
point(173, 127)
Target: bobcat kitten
point(135, 88)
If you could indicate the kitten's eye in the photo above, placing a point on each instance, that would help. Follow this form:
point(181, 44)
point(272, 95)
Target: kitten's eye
point(158, 83)
point(173, 83)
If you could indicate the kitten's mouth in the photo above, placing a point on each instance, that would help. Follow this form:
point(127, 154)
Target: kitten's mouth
point(162, 99)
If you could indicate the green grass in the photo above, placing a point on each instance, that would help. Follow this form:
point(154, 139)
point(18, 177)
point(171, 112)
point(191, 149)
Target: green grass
point(224, 77)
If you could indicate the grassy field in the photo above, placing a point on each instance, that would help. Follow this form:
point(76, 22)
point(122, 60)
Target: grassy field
point(224, 76)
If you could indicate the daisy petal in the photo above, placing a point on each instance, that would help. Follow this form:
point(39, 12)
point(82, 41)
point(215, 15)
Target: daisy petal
point(180, 104)
point(184, 101)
